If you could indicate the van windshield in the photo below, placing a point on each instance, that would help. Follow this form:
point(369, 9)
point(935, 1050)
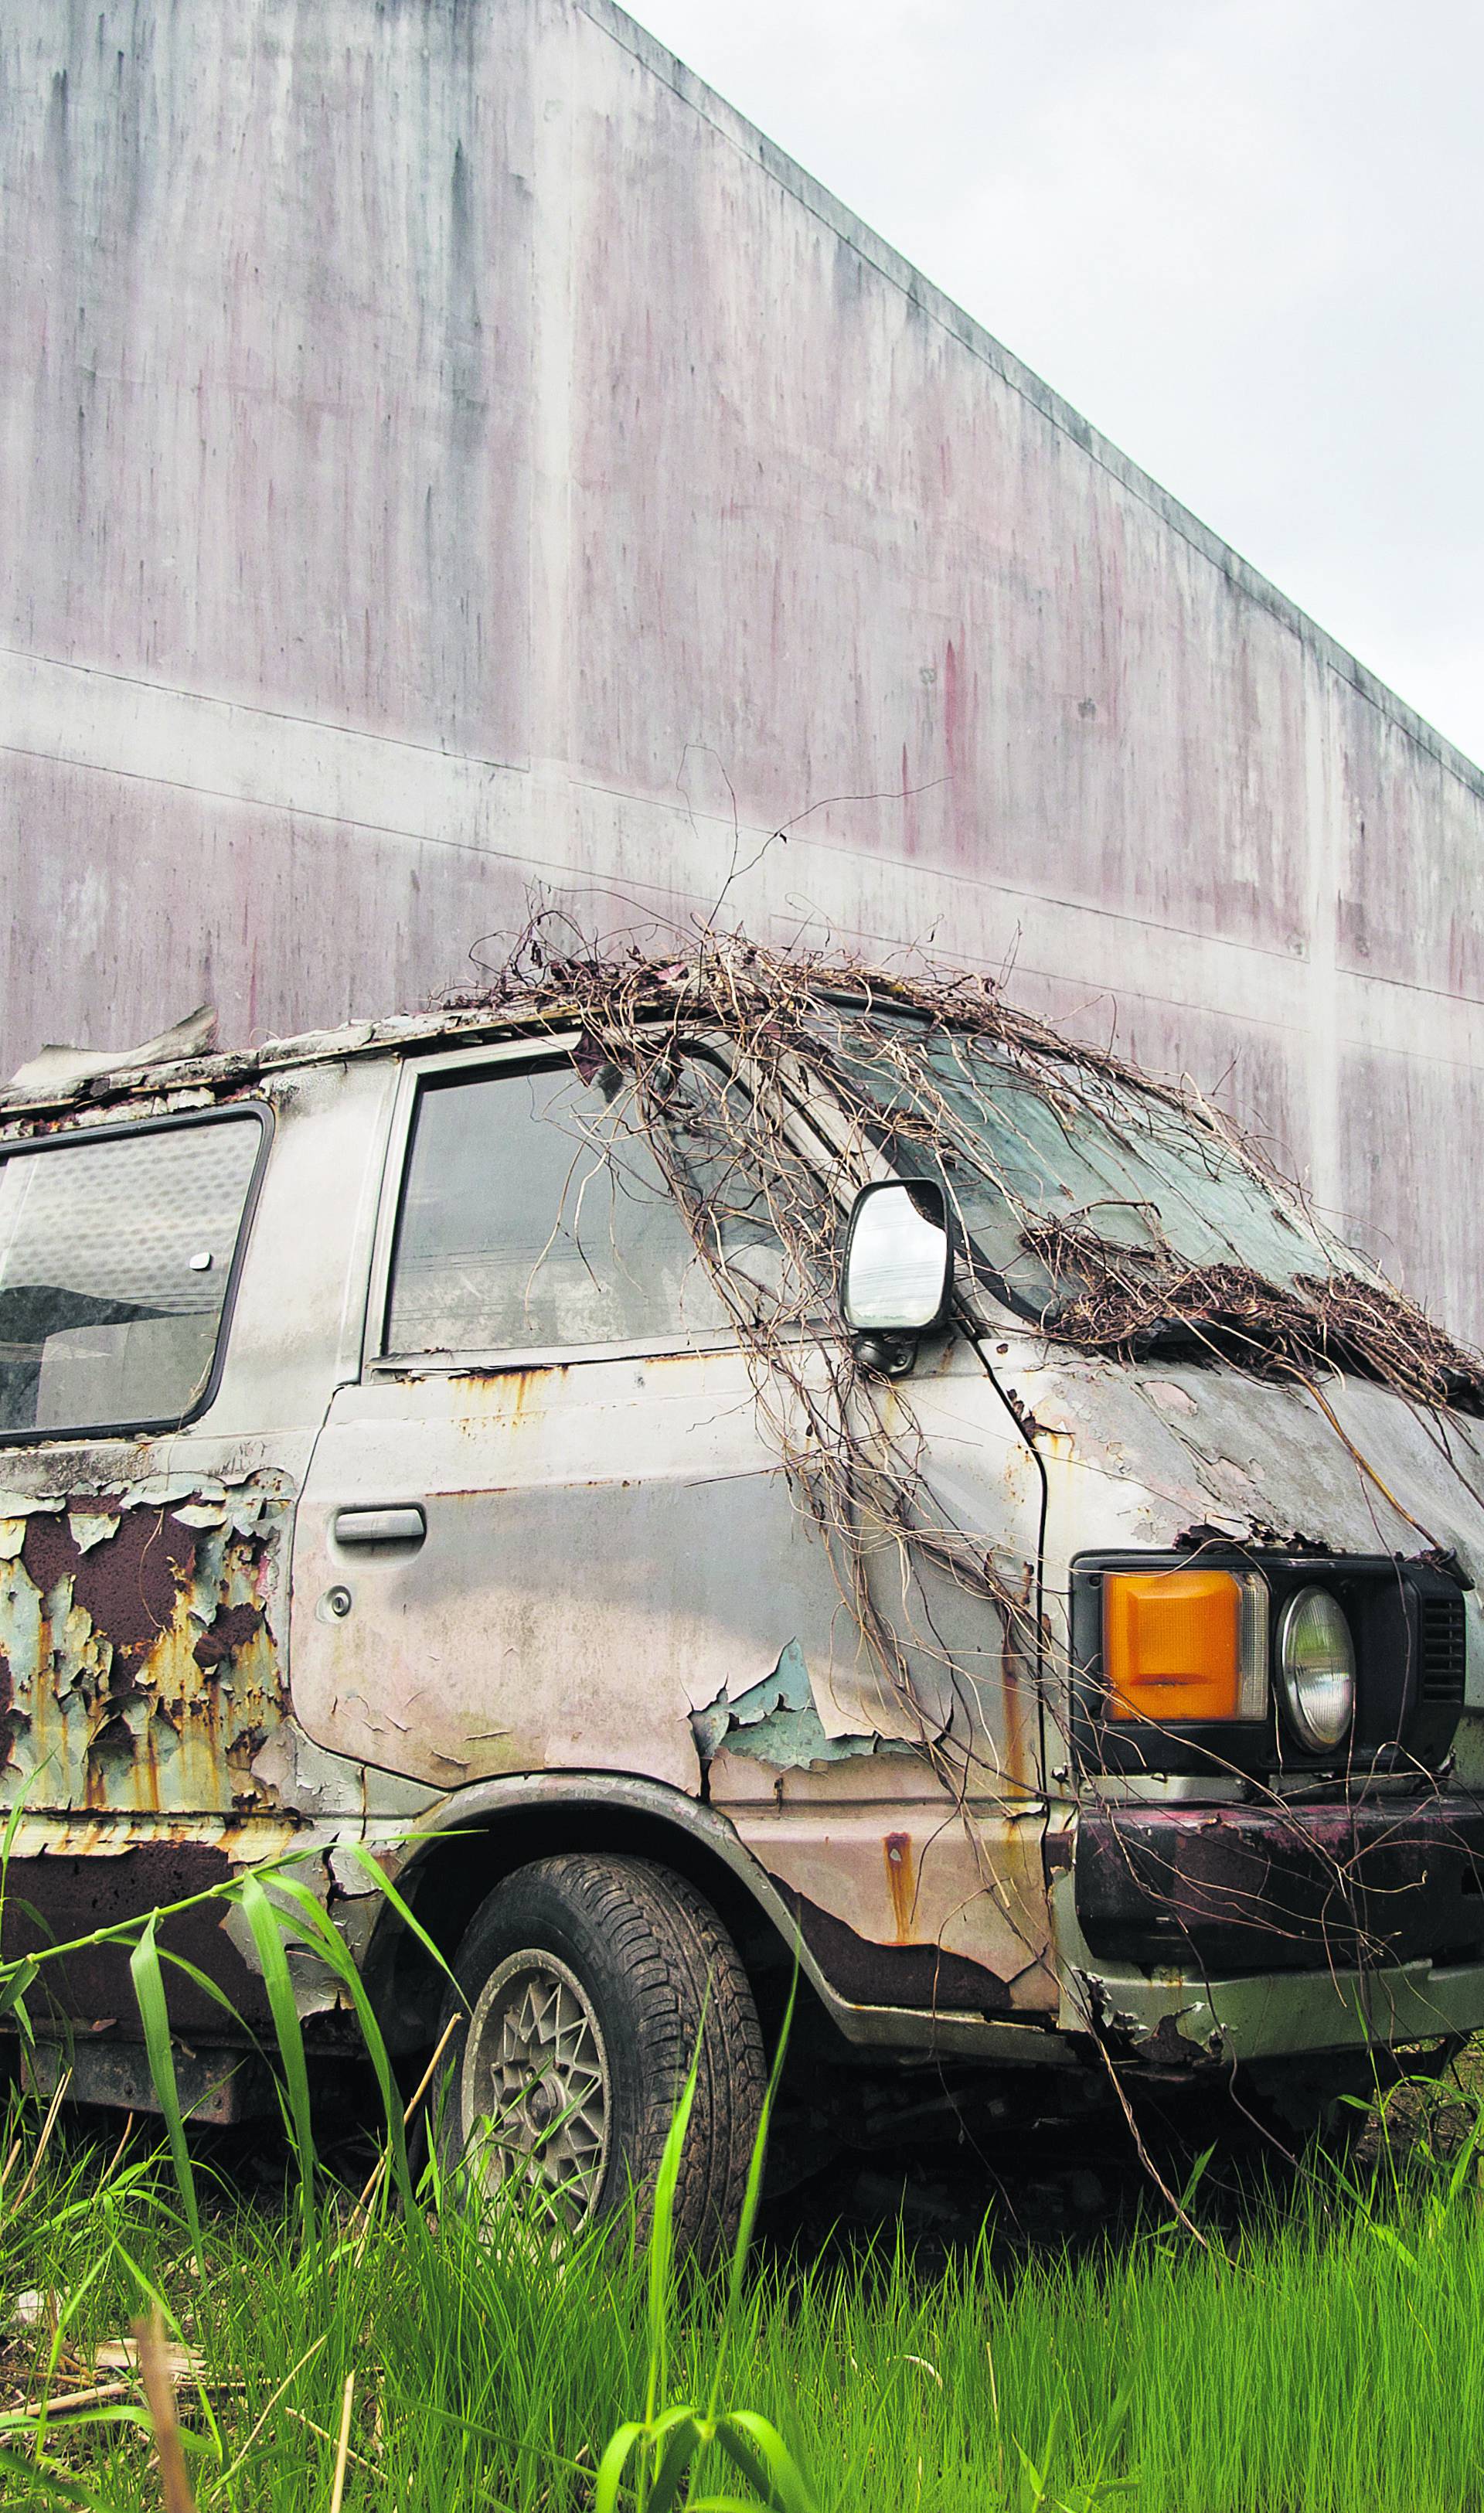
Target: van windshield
point(1051, 1166)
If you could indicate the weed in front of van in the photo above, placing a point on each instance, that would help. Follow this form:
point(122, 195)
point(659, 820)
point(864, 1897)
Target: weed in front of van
point(650, 2463)
point(657, 2459)
point(1330, 2356)
point(1327, 2354)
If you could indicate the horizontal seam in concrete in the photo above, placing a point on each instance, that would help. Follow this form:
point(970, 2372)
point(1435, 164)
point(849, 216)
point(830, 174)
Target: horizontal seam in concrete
point(590, 875)
point(274, 803)
point(748, 831)
point(507, 855)
point(900, 273)
point(271, 714)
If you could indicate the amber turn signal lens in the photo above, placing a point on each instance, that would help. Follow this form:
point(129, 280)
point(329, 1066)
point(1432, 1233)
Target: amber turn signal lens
point(1183, 1645)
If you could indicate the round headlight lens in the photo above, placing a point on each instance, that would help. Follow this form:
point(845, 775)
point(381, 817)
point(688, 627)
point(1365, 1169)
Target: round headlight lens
point(1316, 1669)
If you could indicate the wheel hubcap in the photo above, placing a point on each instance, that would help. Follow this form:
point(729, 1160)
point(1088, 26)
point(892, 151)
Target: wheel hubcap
point(534, 2086)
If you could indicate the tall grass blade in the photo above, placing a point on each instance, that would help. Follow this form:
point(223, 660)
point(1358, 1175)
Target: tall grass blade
point(155, 2015)
point(759, 2452)
point(751, 2197)
point(618, 2451)
point(320, 1934)
point(15, 1980)
point(377, 1877)
point(268, 1939)
point(661, 2242)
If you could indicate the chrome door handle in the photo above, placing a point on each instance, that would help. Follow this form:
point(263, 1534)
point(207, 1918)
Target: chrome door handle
point(403, 1526)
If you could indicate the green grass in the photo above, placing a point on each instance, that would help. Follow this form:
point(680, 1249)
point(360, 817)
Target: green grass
point(1330, 2354)
point(1327, 2353)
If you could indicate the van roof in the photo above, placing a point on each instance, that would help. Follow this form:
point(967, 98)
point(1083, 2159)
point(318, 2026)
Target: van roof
point(780, 1005)
point(61, 1079)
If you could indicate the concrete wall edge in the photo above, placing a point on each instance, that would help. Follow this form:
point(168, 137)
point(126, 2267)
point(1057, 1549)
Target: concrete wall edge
point(940, 308)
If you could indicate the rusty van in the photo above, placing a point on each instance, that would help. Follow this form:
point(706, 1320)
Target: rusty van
point(706, 1474)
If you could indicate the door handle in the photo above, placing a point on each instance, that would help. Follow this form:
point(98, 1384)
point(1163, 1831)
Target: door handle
point(400, 1526)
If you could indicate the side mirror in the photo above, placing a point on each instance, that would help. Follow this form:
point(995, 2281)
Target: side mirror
point(898, 1268)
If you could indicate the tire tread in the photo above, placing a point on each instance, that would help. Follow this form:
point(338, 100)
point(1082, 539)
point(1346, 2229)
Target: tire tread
point(687, 1994)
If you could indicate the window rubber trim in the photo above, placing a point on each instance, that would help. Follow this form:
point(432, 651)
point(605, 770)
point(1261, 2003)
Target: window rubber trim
point(259, 1110)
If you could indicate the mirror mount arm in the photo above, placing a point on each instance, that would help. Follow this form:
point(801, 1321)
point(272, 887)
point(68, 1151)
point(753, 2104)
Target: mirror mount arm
point(882, 1355)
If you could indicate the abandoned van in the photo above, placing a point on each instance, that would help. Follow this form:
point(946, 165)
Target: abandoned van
point(706, 1475)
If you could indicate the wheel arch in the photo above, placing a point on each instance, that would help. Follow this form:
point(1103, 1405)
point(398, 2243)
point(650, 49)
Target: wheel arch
point(474, 1840)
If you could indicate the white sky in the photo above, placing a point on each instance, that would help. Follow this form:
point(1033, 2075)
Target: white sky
point(1242, 236)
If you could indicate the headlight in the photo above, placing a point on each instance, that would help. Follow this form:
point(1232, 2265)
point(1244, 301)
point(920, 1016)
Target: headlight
point(1316, 1669)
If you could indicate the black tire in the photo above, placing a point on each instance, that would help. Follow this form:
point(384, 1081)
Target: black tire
point(661, 1983)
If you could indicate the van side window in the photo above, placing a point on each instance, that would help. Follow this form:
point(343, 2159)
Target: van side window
point(534, 1216)
point(115, 1257)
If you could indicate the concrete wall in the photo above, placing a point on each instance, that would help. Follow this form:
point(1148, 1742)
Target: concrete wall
point(445, 449)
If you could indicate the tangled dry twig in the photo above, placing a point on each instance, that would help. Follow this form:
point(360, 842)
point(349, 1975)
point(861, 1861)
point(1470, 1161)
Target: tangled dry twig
point(1115, 1214)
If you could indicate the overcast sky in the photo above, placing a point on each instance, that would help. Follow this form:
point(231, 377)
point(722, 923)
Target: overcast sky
point(1242, 236)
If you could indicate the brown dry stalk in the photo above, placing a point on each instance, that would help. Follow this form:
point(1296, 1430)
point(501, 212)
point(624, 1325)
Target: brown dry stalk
point(343, 2448)
point(360, 2212)
point(54, 2107)
point(325, 2436)
point(90, 2399)
point(263, 2415)
point(160, 2396)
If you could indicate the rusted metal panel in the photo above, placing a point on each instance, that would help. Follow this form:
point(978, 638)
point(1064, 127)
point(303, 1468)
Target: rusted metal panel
point(71, 1892)
point(1241, 1888)
point(141, 1661)
point(905, 1868)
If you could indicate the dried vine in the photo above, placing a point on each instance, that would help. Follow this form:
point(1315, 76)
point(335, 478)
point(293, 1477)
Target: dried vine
point(906, 1069)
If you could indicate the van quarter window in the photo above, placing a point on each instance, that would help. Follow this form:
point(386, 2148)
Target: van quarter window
point(115, 1257)
point(532, 1216)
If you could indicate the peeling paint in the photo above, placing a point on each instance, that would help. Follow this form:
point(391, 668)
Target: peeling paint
point(774, 1722)
point(142, 1667)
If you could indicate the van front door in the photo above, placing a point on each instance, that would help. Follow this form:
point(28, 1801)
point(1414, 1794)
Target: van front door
point(543, 1527)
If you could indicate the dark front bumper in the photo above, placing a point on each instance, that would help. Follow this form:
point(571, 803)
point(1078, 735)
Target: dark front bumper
point(1260, 1890)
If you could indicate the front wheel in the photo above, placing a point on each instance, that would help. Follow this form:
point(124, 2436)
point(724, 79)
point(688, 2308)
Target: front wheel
point(588, 1984)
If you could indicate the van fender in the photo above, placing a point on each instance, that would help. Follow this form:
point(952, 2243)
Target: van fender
point(526, 1815)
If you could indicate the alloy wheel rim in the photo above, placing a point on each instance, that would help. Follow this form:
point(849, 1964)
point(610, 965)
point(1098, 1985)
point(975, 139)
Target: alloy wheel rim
point(535, 2087)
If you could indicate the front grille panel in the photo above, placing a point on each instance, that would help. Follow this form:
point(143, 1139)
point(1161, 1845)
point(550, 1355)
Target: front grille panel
point(1441, 1650)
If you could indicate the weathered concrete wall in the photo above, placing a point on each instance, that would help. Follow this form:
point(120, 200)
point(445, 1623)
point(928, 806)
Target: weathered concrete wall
point(444, 448)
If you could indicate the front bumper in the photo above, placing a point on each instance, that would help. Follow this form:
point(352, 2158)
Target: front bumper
point(1301, 1888)
point(1202, 1933)
point(1184, 2023)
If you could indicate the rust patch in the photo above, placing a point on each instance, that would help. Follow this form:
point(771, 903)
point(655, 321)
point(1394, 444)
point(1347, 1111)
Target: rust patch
point(870, 1975)
point(901, 1882)
point(230, 1630)
point(52, 1901)
point(128, 1585)
point(143, 1667)
point(1238, 1888)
